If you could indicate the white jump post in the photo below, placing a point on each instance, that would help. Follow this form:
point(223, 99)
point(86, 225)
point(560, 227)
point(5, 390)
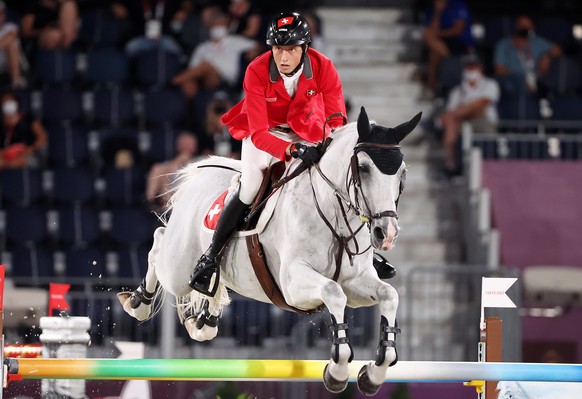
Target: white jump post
point(67, 338)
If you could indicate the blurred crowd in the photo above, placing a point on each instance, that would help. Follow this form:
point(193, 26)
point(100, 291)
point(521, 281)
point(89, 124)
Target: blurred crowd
point(151, 79)
point(499, 73)
point(101, 101)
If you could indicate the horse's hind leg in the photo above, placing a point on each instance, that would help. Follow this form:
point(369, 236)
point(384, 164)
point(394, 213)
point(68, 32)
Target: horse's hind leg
point(138, 303)
point(372, 375)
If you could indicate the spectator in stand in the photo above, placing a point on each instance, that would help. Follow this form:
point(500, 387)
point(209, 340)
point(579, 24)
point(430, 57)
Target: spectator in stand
point(318, 42)
point(21, 137)
point(154, 22)
point(10, 49)
point(118, 8)
point(217, 140)
point(245, 19)
point(521, 59)
point(473, 101)
point(54, 23)
point(161, 175)
point(216, 62)
point(447, 33)
point(120, 152)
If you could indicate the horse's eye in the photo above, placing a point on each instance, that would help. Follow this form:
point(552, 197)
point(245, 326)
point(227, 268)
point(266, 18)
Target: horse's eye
point(363, 168)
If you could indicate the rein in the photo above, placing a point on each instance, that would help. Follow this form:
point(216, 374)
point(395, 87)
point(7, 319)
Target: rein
point(366, 216)
point(301, 168)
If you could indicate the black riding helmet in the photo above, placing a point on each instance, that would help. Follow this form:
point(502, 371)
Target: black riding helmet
point(289, 29)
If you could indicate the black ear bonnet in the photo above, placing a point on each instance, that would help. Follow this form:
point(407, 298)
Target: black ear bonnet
point(388, 161)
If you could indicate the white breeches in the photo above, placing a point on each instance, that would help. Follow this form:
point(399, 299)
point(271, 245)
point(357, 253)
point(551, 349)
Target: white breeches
point(254, 162)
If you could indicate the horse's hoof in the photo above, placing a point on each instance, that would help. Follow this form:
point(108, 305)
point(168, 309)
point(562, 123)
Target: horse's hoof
point(365, 385)
point(205, 333)
point(331, 384)
point(140, 312)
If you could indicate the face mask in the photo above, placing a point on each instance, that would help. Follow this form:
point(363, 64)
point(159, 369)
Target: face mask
point(218, 32)
point(9, 107)
point(471, 76)
point(523, 32)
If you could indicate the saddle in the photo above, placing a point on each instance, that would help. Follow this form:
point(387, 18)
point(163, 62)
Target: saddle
point(271, 181)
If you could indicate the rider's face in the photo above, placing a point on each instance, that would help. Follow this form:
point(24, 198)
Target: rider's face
point(287, 58)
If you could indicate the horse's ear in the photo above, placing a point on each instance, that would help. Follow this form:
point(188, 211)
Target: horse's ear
point(364, 128)
point(402, 130)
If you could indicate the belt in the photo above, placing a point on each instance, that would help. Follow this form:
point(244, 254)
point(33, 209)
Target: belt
point(284, 129)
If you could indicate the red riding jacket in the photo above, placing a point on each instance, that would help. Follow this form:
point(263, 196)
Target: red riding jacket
point(267, 104)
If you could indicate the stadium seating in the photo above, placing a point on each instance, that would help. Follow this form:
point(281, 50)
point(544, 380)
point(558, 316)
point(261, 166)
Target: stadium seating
point(72, 185)
point(55, 66)
point(156, 68)
point(67, 145)
point(78, 226)
point(21, 187)
point(107, 65)
point(113, 106)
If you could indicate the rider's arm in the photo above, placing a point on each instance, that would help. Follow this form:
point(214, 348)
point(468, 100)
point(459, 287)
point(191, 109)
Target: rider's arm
point(256, 103)
point(333, 96)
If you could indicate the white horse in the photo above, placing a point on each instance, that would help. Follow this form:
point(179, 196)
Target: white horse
point(317, 216)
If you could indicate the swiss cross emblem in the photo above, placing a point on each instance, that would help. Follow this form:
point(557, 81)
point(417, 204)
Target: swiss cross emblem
point(311, 92)
point(214, 212)
point(212, 216)
point(285, 21)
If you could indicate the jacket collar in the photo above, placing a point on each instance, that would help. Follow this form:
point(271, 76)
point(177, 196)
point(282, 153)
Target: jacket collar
point(274, 71)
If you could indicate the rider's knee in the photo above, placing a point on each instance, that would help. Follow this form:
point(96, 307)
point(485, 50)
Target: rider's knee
point(248, 192)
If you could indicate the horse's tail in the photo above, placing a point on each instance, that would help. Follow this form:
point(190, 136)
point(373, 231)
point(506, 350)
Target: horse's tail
point(188, 173)
point(158, 301)
point(193, 303)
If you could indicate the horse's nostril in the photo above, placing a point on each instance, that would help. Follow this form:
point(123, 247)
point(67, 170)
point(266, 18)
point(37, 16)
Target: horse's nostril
point(378, 233)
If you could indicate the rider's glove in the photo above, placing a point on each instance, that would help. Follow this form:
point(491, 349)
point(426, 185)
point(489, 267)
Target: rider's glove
point(308, 154)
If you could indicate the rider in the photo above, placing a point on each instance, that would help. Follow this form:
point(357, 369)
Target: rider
point(290, 90)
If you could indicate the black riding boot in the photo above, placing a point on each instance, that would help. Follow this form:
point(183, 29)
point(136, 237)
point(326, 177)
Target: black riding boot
point(384, 269)
point(231, 215)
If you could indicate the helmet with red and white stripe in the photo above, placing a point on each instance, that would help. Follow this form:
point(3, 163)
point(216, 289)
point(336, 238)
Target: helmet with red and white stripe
point(289, 29)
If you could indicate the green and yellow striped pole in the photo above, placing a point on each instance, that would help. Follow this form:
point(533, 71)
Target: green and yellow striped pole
point(167, 369)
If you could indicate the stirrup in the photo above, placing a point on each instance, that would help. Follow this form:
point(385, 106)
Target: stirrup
point(205, 273)
point(384, 269)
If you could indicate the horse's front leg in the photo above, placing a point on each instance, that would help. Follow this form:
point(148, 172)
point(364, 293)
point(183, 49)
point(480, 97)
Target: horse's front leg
point(367, 290)
point(307, 289)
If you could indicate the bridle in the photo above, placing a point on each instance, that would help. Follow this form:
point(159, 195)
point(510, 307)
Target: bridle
point(346, 204)
point(366, 215)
